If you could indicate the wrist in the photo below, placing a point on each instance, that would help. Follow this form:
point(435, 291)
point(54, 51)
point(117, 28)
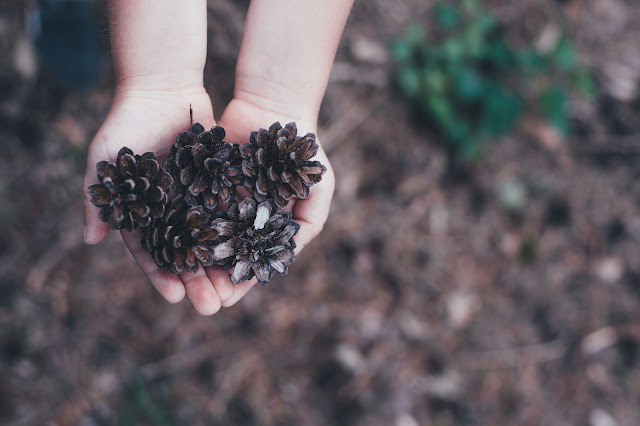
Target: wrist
point(266, 113)
point(278, 102)
point(167, 83)
point(158, 44)
point(163, 107)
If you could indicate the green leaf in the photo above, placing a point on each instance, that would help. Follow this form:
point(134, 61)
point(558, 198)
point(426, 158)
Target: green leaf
point(500, 54)
point(402, 51)
point(500, 110)
point(564, 55)
point(409, 81)
point(476, 35)
point(530, 61)
point(470, 148)
point(469, 85)
point(415, 35)
point(457, 132)
point(552, 104)
point(453, 51)
point(435, 81)
point(582, 81)
point(440, 110)
point(446, 16)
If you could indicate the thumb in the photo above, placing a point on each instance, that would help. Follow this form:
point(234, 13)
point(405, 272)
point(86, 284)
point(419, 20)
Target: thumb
point(94, 229)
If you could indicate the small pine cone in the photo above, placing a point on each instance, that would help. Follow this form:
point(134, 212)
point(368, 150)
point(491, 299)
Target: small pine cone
point(205, 169)
point(179, 239)
point(276, 163)
point(132, 191)
point(256, 239)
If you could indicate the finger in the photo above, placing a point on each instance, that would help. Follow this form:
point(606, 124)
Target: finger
point(200, 292)
point(239, 290)
point(312, 213)
point(168, 285)
point(221, 282)
point(94, 229)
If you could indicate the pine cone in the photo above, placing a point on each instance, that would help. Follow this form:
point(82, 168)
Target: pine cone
point(204, 168)
point(180, 238)
point(276, 163)
point(132, 191)
point(256, 239)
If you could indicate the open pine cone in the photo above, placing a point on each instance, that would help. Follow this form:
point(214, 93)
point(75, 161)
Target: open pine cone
point(180, 238)
point(204, 168)
point(277, 163)
point(132, 191)
point(256, 239)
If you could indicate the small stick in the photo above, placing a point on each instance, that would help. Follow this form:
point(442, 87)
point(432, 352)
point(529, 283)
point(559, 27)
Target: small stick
point(191, 114)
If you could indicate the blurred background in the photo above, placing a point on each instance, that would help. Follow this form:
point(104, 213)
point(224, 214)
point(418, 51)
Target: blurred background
point(480, 264)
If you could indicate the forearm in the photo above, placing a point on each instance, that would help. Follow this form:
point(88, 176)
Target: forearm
point(158, 44)
point(287, 52)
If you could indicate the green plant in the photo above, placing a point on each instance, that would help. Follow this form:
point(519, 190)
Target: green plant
point(472, 84)
point(141, 408)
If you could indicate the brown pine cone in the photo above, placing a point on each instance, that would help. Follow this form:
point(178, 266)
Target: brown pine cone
point(256, 239)
point(276, 163)
point(180, 238)
point(205, 169)
point(132, 191)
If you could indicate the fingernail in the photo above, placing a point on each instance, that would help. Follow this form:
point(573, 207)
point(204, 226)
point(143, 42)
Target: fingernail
point(85, 234)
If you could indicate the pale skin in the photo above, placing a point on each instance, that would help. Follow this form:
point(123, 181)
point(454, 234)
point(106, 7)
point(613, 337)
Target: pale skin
point(159, 51)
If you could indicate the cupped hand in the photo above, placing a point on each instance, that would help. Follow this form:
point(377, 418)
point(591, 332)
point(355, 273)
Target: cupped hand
point(239, 119)
point(148, 120)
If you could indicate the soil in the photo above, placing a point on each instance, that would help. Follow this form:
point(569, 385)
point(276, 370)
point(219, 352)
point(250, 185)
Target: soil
point(433, 295)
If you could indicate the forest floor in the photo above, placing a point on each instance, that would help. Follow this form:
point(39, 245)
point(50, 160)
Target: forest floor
point(423, 301)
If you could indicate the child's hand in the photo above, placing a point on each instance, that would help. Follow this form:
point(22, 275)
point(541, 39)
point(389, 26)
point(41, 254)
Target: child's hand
point(147, 120)
point(239, 120)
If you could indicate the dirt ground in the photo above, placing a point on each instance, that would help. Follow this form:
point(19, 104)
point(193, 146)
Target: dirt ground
point(424, 301)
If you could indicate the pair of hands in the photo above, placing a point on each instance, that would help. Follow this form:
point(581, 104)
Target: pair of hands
point(146, 119)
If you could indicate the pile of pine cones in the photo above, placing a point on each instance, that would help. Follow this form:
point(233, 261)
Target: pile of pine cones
point(177, 206)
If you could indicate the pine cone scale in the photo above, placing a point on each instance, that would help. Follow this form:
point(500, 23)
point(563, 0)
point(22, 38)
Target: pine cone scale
point(199, 155)
point(199, 183)
point(100, 195)
point(127, 163)
point(241, 272)
point(209, 199)
point(298, 188)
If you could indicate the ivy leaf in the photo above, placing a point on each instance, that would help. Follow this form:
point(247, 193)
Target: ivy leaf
point(409, 81)
point(500, 110)
point(501, 55)
point(552, 104)
point(440, 110)
point(530, 61)
point(564, 55)
point(469, 85)
point(446, 16)
point(435, 81)
point(582, 81)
